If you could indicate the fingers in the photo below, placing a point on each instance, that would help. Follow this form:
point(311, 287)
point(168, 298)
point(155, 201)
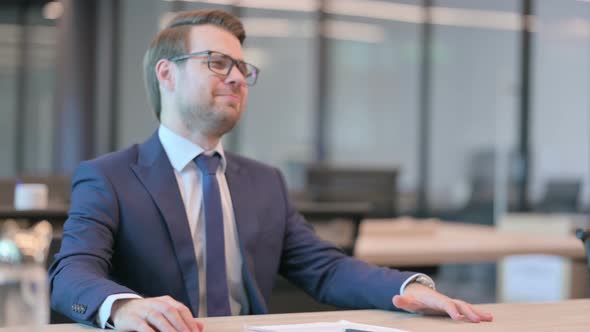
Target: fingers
point(473, 314)
point(161, 314)
point(452, 310)
point(162, 323)
point(139, 325)
point(200, 325)
point(427, 301)
point(133, 323)
point(485, 316)
point(183, 315)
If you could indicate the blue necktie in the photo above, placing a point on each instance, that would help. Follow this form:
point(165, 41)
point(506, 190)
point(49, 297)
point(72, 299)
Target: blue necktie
point(217, 293)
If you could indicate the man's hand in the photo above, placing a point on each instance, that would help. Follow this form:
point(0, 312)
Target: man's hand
point(153, 314)
point(419, 298)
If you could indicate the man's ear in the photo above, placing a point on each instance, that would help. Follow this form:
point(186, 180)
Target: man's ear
point(166, 73)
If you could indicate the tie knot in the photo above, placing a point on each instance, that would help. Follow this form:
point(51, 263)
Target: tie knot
point(208, 164)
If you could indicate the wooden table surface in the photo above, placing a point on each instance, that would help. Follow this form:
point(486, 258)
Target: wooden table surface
point(432, 243)
point(571, 316)
point(59, 213)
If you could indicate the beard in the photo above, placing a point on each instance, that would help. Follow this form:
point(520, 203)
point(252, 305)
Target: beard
point(211, 119)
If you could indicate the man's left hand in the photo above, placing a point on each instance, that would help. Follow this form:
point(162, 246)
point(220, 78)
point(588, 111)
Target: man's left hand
point(419, 298)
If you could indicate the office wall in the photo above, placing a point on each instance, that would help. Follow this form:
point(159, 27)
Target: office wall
point(372, 92)
point(474, 95)
point(278, 125)
point(139, 19)
point(373, 96)
point(561, 94)
point(8, 88)
point(27, 81)
point(39, 125)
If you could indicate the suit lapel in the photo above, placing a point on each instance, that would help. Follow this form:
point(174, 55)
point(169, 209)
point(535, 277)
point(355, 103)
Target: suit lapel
point(155, 172)
point(239, 184)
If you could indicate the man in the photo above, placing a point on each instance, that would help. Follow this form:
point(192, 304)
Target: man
point(177, 228)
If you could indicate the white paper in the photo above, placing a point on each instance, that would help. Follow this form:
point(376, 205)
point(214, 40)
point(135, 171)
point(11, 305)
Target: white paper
point(321, 327)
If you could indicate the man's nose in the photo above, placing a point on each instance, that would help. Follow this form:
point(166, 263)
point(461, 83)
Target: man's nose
point(235, 77)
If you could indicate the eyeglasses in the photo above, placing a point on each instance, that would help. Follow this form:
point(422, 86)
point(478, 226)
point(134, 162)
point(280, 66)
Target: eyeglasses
point(222, 64)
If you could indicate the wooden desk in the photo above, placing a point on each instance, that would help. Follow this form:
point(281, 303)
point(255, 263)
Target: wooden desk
point(316, 211)
point(380, 243)
point(571, 316)
point(54, 214)
point(355, 211)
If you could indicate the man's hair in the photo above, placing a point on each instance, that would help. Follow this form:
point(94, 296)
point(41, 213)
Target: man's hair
point(173, 41)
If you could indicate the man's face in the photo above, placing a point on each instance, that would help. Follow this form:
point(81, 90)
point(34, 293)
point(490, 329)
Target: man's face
point(210, 103)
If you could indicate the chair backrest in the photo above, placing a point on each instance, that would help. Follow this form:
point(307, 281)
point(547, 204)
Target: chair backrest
point(561, 195)
point(59, 188)
point(482, 176)
point(339, 184)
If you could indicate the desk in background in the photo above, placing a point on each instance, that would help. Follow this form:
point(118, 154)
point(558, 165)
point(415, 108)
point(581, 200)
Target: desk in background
point(571, 316)
point(55, 215)
point(430, 243)
point(356, 211)
point(384, 243)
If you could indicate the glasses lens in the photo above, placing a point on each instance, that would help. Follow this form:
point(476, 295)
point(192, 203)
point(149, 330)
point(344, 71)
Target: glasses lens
point(219, 63)
point(251, 74)
point(242, 67)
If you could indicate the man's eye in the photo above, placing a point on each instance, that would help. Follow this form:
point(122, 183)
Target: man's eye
point(243, 68)
point(218, 64)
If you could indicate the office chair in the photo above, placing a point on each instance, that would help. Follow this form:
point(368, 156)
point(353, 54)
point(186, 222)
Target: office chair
point(378, 187)
point(584, 236)
point(482, 176)
point(561, 195)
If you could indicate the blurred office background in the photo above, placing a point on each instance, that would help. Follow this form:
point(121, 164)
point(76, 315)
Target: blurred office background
point(460, 96)
point(479, 106)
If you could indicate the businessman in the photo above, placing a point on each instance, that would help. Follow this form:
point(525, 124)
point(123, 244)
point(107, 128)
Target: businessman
point(177, 228)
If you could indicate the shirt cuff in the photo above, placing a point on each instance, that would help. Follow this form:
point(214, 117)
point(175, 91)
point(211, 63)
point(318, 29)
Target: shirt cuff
point(425, 280)
point(104, 312)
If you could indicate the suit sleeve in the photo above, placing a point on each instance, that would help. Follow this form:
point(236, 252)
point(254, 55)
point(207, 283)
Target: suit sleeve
point(329, 275)
point(78, 277)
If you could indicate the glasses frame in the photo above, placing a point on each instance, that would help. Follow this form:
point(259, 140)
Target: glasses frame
point(237, 63)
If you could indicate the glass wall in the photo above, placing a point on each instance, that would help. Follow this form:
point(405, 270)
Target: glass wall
point(139, 23)
point(373, 88)
point(561, 102)
point(278, 125)
point(371, 99)
point(475, 79)
point(39, 90)
point(9, 74)
point(27, 81)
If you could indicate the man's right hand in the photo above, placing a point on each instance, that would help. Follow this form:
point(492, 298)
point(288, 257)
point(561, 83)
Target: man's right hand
point(162, 314)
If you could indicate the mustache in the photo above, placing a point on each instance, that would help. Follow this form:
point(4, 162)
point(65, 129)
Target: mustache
point(229, 93)
point(230, 89)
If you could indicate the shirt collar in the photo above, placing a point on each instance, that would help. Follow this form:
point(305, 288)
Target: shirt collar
point(181, 151)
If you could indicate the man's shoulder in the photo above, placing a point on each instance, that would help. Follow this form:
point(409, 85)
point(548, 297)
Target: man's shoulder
point(123, 157)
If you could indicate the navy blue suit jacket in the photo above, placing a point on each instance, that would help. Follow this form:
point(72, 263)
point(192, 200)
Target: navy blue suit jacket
point(127, 232)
